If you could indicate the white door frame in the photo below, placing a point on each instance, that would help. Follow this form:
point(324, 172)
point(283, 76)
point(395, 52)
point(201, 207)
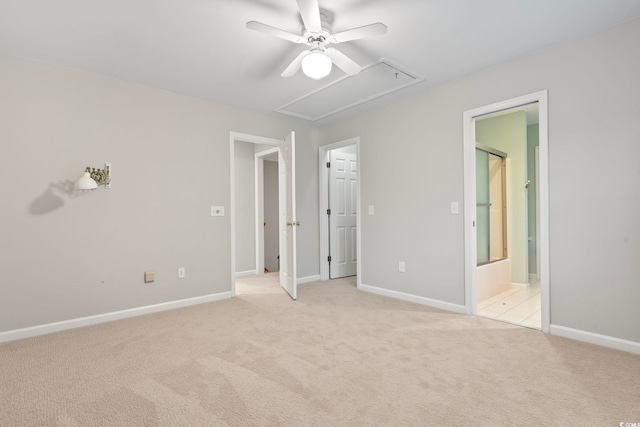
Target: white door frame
point(241, 137)
point(470, 250)
point(259, 204)
point(323, 156)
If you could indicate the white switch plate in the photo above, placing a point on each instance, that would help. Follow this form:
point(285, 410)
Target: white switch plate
point(149, 276)
point(217, 210)
point(181, 272)
point(401, 266)
point(455, 208)
point(371, 210)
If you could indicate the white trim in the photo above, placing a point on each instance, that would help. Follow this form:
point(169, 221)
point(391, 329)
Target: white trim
point(543, 203)
point(470, 255)
point(597, 339)
point(108, 317)
point(323, 158)
point(233, 137)
point(246, 273)
point(254, 139)
point(308, 279)
point(456, 308)
point(521, 285)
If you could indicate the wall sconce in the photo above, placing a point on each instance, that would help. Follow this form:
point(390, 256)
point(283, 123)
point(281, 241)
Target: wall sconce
point(93, 177)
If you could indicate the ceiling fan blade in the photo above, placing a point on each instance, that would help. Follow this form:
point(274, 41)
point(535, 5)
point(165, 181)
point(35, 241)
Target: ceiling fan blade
point(273, 31)
point(295, 64)
point(361, 32)
point(343, 62)
point(310, 12)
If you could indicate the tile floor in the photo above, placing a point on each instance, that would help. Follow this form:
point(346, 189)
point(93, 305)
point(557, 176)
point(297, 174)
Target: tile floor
point(517, 305)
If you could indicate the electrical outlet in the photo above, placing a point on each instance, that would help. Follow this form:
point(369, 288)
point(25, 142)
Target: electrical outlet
point(181, 273)
point(217, 210)
point(401, 266)
point(149, 276)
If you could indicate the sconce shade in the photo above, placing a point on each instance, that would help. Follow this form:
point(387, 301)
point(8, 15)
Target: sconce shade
point(85, 182)
point(316, 65)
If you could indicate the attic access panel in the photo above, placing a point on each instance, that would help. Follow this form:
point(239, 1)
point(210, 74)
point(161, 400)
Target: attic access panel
point(374, 81)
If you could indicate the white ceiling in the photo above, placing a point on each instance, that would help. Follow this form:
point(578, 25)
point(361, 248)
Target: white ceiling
point(201, 48)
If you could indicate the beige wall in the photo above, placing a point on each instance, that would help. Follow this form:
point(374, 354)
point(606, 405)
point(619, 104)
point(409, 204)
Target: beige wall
point(412, 169)
point(65, 256)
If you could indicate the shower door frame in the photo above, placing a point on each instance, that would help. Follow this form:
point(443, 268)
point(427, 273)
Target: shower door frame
point(504, 207)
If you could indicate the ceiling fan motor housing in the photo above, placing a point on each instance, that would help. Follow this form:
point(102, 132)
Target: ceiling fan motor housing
point(323, 36)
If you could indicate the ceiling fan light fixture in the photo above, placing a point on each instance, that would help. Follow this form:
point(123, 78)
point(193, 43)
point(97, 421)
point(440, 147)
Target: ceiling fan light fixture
point(316, 65)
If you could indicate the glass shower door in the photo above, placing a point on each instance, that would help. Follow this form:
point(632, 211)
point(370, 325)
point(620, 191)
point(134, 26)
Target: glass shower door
point(490, 206)
point(482, 205)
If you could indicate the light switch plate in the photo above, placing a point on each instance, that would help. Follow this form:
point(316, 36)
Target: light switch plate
point(371, 210)
point(455, 208)
point(217, 210)
point(149, 276)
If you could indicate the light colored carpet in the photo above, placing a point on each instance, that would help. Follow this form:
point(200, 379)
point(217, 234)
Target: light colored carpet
point(337, 357)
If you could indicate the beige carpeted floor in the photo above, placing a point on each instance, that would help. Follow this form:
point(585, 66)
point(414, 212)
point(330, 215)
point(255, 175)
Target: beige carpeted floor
point(337, 357)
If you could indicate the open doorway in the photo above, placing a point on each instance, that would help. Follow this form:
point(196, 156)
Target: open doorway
point(247, 155)
point(265, 279)
point(508, 288)
point(340, 238)
point(506, 211)
point(267, 210)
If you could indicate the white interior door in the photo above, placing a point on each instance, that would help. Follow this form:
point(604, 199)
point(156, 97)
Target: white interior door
point(288, 223)
point(343, 230)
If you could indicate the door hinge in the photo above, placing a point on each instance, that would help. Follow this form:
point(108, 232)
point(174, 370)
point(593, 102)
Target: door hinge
point(328, 164)
point(329, 258)
point(328, 211)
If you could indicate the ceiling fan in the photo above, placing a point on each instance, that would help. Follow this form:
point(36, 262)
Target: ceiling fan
point(316, 61)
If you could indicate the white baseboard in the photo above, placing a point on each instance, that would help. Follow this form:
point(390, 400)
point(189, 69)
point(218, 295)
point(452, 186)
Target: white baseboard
point(413, 298)
point(107, 317)
point(592, 338)
point(246, 273)
point(520, 285)
point(308, 279)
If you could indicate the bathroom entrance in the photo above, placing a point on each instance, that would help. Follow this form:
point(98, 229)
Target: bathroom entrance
point(507, 280)
point(507, 275)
